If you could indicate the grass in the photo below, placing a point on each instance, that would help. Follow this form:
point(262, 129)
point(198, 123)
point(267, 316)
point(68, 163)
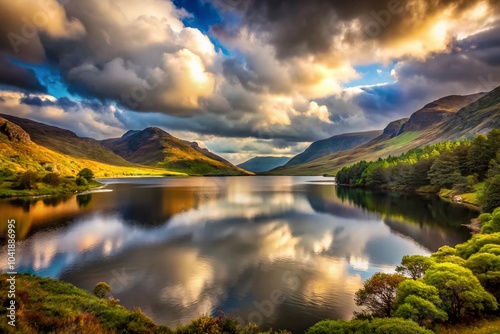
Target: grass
point(48, 306)
point(45, 305)
point(483, 327)
point(20, 156)
point(403, 139)
point(472, 198)
point(68, 186)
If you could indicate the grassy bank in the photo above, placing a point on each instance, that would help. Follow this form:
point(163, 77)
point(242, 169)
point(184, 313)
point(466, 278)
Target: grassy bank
point(45, 305)
point(9, 189)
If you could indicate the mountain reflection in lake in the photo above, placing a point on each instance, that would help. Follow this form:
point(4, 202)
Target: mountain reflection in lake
point(284, 252)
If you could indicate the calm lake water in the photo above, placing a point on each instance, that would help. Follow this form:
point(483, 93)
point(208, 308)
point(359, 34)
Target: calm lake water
point(284, 252)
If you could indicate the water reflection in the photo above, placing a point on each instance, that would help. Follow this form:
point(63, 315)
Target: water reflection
point(282, 251)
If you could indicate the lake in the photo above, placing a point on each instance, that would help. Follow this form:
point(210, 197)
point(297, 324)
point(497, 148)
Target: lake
point(283, 252)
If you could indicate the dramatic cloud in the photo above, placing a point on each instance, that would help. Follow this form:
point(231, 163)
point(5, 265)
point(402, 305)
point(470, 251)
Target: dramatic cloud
point(19, 76)
point(275, 74)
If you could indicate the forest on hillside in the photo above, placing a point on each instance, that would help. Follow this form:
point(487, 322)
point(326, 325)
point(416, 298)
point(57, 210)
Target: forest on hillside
point(465, 166)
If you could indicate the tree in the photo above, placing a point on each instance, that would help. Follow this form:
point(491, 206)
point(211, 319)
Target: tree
point(378, 293)
point(101, 289)
point(28, 180)
point(87, 174)
point(474, 244)
point(414, 266)
point(492, 194)
point(419, 302)
point(80, 181)
point(444, 171)
point(490, 223)
point(494, 142)
point(420, 310)
point(479, 156)
point(52, 179)
point(486, 267)
point(460, 291)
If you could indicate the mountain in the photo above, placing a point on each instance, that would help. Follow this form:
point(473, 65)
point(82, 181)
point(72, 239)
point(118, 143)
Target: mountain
point(19, 152)
point(263, 164)
point(157, 148)
point(334, 144)
point(451, 117)
point(67, 142)
point(478, 117)
point(437, 112)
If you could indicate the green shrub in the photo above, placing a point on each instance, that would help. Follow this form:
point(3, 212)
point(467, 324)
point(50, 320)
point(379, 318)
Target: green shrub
point(462, 295)
point(101, 289)
point(28, 180)
point(80, 181)
point(87, 174)
point(52, 179)
point(6, 173)
point(377, 326)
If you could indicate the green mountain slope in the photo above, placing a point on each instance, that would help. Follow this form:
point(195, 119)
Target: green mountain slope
point(157, 148)
point(67, 142)
point(425, 126)
point(480, 116)
point(263, 164)
point(334, 144)
point(18, 153)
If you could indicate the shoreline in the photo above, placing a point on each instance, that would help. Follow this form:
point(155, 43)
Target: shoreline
point(463, 202)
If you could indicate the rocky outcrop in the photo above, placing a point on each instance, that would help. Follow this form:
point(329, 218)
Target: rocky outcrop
point(14, 132)
point(394, 128)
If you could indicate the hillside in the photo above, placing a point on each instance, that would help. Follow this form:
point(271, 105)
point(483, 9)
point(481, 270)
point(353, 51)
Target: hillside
point(334, 144)
point(479, 117)
point(18, 153)
point(263, 164)
point(433, 123)
point(157, 148)
point(67, 142)
point(438, 112)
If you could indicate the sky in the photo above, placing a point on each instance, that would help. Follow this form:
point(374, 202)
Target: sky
point(244, 78)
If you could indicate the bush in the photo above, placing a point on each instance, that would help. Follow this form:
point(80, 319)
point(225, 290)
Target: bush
point(414, 266)
point(460, 291)
point(28, 180)
point(377, 326)
point(52, 179)
point(80, 181)
point(6, 173)
point(87, 174)
point(101, 289)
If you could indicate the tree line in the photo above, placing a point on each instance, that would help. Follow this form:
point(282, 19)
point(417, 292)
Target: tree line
point(459, 165)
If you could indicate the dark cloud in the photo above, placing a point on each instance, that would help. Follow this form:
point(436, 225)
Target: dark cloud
point(64, 103)
point(19, 76)
point(472, 65)
point(285, 55)
point(298, 28)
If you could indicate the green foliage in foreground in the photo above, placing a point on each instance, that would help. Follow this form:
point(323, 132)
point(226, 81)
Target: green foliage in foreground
point(375, 326)
point(453, 285)
point(45, 305)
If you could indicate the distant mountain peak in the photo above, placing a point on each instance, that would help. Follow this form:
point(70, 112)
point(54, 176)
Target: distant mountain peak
point(157, 148)
point(333, 144)
point(263, 164)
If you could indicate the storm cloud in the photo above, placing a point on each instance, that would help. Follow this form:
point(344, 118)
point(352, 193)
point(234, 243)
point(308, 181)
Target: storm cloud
point(275, 74)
